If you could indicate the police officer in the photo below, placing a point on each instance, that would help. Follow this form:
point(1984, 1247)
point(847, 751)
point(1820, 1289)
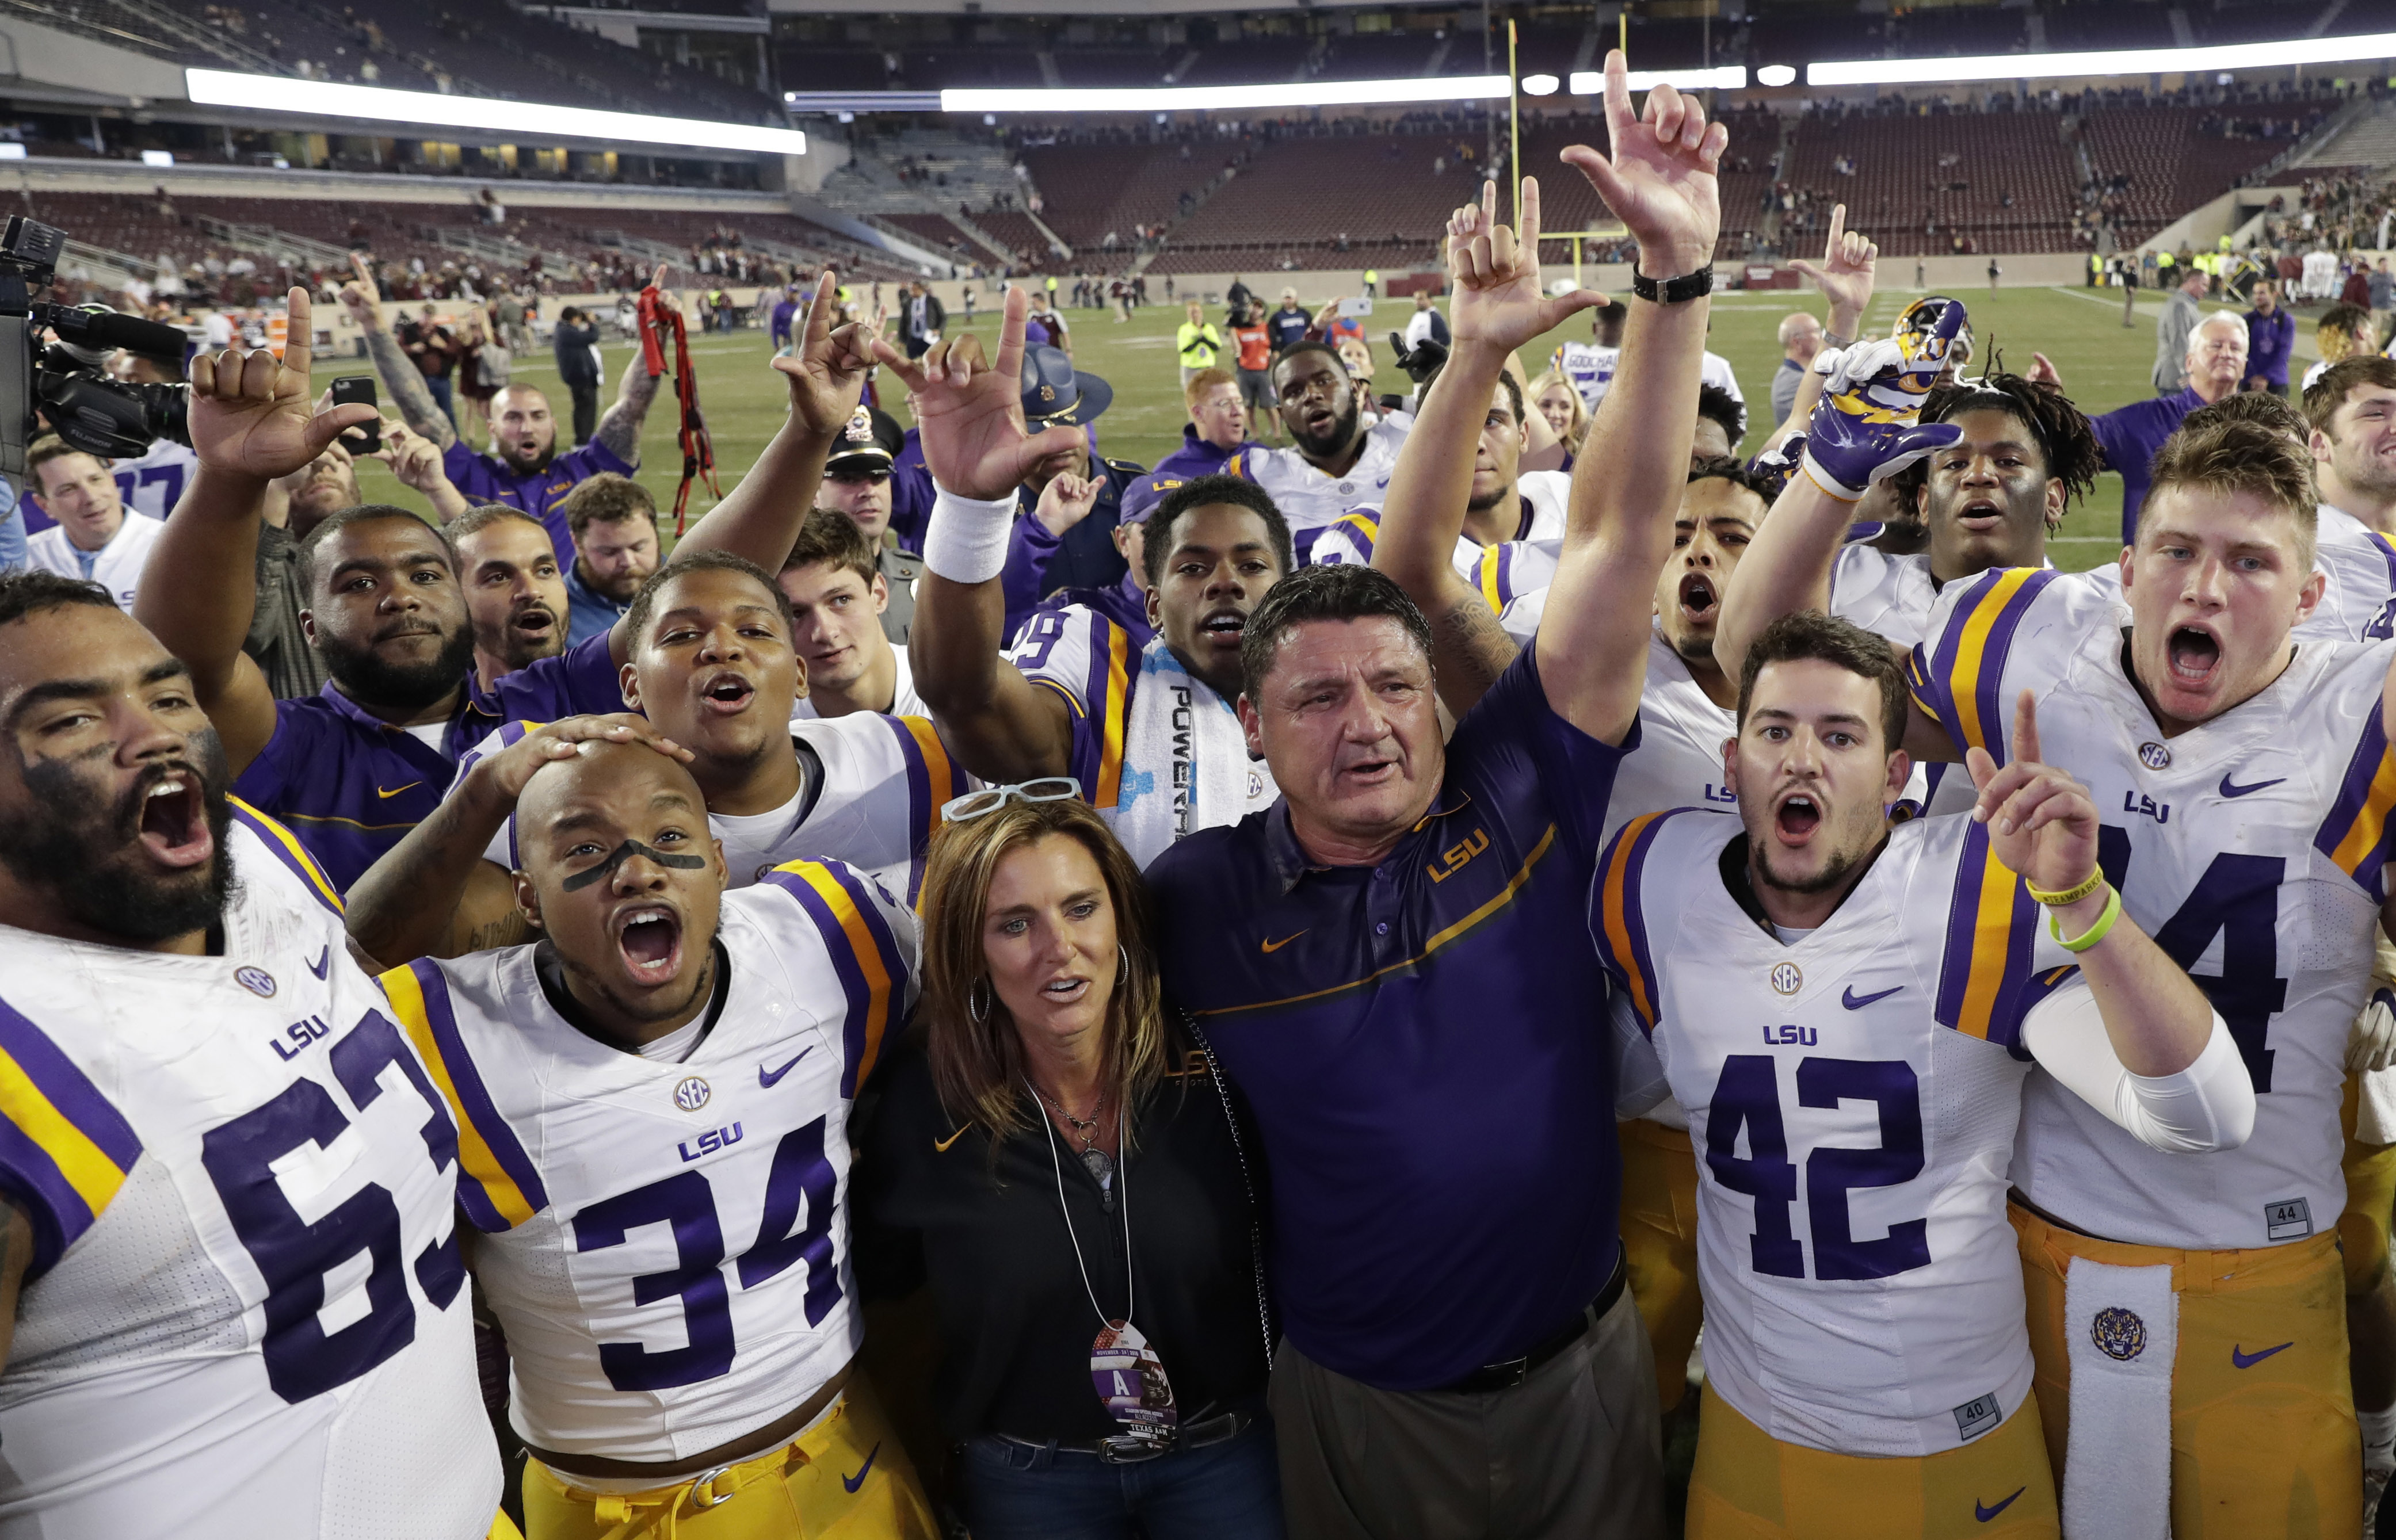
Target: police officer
point(1085, 555)
point(858, 483)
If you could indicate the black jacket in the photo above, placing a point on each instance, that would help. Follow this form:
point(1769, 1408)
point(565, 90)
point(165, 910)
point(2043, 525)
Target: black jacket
point(574, 343)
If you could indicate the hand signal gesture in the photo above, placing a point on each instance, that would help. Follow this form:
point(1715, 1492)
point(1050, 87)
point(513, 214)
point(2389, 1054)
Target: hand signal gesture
point(1849, 263)
point(1660, 178)
point(1066, 501)
point(1497, 300)
point(250, 414)
point(826, 372)
point(2041, 823)
point(1868, 426)
point(362, 293)
point(971, 415)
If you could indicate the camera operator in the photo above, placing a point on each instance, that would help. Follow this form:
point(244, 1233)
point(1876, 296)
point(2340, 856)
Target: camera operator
point(523, 471)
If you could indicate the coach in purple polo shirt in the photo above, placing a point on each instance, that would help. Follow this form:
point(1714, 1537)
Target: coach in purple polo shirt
point(1393, 962)
point(2216, 367)
point(2270, 340)
point(353, 769)
point(524, 471)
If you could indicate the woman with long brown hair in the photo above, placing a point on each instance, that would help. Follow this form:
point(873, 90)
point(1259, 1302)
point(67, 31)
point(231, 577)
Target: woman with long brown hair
point(1061, 1168)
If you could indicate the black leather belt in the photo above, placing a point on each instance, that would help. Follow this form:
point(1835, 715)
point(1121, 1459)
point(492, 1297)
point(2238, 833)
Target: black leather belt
point(1508, 1372)
point(1199, 1435)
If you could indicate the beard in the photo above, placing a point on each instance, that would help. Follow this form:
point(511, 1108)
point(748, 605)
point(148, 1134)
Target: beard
point(86, 851)
point(518, 647)
point(1837, 871)
point(1482, 505)
point(524, 464)
point(1342, 429)
point(620, 588)
point(364, 677)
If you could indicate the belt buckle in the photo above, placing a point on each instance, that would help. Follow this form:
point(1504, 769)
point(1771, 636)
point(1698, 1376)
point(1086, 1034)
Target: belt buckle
point(1124, 1450)
point(702, 1493)
point(1506, 1375)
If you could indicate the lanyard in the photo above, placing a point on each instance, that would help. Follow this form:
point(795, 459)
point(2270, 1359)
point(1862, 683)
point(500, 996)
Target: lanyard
point(1122, 1194)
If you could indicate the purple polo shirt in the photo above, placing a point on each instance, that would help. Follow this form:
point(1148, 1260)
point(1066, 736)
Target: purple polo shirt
point(1425, 1047)
point(481, 479)
point(1196, 457)
point(2131, 435)
point(352, 785)
point(2270, 342)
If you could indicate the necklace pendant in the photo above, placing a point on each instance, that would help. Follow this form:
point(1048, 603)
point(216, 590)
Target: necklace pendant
point(1101, 1167)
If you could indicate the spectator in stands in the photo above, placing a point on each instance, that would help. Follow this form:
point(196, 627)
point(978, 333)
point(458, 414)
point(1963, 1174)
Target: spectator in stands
point(92, 537)
point(1290, 323)
point(524, 470)
point(1801, 338)
point(1426, 324)
point(1196, 342)
point(1217, 425)
point(2341, 332)
point(614, 522)
point(2383, 289)
point(859, 480)
point(1252, 342)
point(2214, 366)
point(847, 662)
point(514, 588)
point(2174, 329)
point(432, 348)
point(575, 342)
point(2270, 342)
point(920, 316)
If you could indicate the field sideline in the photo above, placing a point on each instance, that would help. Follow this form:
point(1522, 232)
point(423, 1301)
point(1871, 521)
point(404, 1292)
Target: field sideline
point(2104, 364)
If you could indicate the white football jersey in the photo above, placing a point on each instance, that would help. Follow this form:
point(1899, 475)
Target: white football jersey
point(1589, 366)
point(2250, 848)
point(1886, 595)
point(1544, 495)
point(2359, 600)
point(246, 1317)
point(1679, 761)
point(885, 780)
point(152, 482)
point(904, 701)
point(1308, 498)
point(1852, 1096)
point(665, 1246)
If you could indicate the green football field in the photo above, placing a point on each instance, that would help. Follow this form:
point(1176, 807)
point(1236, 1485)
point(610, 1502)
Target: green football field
point(2104, 364)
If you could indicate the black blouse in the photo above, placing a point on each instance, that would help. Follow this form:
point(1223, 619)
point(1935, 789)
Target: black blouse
point(1015, 1324)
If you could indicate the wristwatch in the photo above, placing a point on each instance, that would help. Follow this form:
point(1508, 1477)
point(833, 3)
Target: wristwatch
point(1672, 291)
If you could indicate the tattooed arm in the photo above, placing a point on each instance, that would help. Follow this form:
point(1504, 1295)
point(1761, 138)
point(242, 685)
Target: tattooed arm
point(621, 429)
point(363, 299)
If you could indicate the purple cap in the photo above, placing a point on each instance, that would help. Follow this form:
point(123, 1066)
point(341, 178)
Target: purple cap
point(1139, 500)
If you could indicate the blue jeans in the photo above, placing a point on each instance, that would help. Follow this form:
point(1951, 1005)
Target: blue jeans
point(438, 386)
point(1230, 1491)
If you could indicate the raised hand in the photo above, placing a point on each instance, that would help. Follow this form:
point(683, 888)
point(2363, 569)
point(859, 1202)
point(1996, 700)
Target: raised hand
point(414, 458)
point(1849, 264)
point(362, 293)
point(826, 370)
point(2041, 823)
point(1660, 180)
point(249, 412)
point(506, 772)
point(971, 415)
point(1066, 501)
point(1867, 425)
point(1498, 301)
point(2042, 371)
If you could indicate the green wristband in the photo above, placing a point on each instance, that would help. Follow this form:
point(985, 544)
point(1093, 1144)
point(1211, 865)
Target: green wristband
point(2095, 932)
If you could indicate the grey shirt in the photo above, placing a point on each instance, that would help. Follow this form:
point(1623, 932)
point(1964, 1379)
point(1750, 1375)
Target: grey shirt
point(292, 668)
point(898, 570)
point(2178, 323)
point(1785, 382)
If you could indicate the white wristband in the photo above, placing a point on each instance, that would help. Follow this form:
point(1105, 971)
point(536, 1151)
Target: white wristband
point(965, 541)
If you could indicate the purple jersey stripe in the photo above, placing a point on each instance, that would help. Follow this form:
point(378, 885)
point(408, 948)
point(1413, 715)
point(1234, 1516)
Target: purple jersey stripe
point(844, 963)
point(68, 1089)
point(1994, 719)
point(920, 810)
point(1097, 701)
point(1939, 679)
point(288, 849)
point(2363, 772)
point(1963, 923)
point(1634, 874)
point(472, 1093)
point(58, 1213)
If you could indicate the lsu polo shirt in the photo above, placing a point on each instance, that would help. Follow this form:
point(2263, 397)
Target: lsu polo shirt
point(479, 479)
point(1425, 1047)
point(352, 785)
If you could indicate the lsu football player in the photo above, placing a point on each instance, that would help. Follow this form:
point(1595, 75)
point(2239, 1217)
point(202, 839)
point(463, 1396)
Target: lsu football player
point(653, 1102)
point(232, 1303)
point(1828, 994)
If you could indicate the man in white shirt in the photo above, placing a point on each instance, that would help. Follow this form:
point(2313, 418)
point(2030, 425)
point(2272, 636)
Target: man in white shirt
point(92, 538)
point(846, 662)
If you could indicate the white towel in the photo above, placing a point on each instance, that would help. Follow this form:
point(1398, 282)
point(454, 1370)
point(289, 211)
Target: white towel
point(2374, 1112)
point(2122, 1327)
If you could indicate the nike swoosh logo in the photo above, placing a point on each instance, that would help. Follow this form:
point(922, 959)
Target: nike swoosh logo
point(1276, 945)
point(1985, 1513)
point(852, 1482)
point(2232, 788)
point(2248, 1360)
point(767, 1078)
point(396, 790)
point(1852, 1002)
point(323, 960)
point(941, 1147)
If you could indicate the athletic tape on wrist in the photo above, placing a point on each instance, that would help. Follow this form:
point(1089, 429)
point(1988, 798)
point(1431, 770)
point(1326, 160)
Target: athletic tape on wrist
point(965, 541)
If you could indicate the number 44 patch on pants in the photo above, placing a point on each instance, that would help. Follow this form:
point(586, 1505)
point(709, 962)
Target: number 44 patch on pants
point(2288, 1219)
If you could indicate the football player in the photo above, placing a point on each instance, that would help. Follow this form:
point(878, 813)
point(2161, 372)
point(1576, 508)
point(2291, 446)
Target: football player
point(1149, 732)
point(710, 663)
point(1862, 1004)
point(231, 1299)
point(654, 1101)
point(2245, 783)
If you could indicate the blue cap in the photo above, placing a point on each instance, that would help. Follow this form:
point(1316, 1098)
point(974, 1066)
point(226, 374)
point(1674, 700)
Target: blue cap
point(1054, 395)
point(1139, 500)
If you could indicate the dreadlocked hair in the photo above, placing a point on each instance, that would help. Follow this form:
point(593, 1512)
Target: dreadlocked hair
point(2064, 437)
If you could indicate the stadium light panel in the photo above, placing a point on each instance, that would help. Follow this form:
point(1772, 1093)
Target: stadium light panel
point(1540, 84)
point(2118, 61)
point(1727, 77)
point(536, 121)
point(1192, 98)
point(1776, 74)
